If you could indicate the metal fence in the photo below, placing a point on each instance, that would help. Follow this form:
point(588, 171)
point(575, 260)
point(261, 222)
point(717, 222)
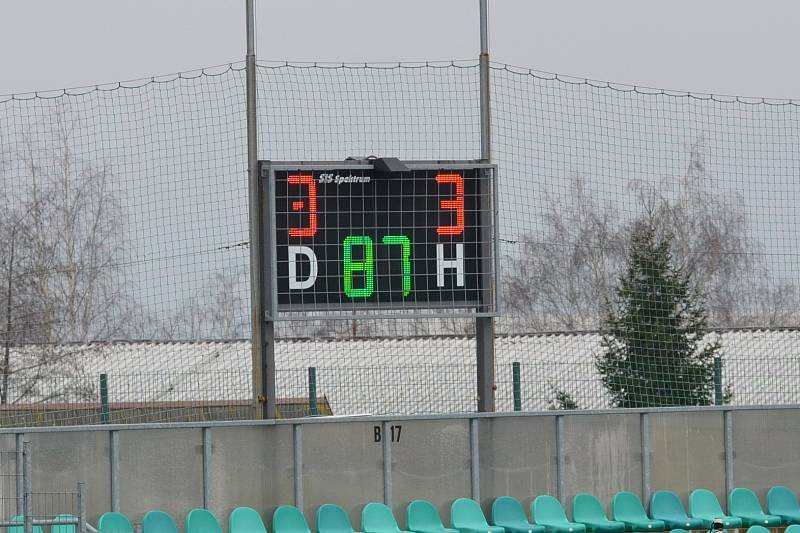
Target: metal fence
point(126, 218)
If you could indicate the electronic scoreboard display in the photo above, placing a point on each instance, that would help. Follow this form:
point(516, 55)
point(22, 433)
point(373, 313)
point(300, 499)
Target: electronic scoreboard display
point(349, 236)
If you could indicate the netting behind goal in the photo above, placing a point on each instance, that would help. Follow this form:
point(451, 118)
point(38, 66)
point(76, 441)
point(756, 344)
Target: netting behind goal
point(125, 219)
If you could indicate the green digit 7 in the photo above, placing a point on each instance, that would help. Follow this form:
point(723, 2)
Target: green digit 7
point(403, 241)
point(367, 266)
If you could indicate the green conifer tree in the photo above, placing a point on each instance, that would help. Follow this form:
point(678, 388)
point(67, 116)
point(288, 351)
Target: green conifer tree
point(654, 353)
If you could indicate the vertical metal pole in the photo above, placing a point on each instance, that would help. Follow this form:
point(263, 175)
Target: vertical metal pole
point(729, 453)
point(312, 391)
point(387, 463)
point(717, 380)
point(515, 373)
point(81, 507)
point(20, 477)
point(484, 326)
point(104, 398)
point(297, 437)
point(114, 456)
point(474, 460)
point(644, 424)
point(28, 486)
point(561, 461)
point(263, 331)
point(207, 472)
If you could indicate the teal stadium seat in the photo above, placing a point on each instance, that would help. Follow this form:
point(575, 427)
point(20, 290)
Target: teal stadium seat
point(158, 522)
point(794, 528)
point(69, 528)
point(114, 523)
point(245, 520)
point(21, 529)
point(781, 501)
point(422, 517)
point(678, 530)
point(757, 529)
point(467, 517)
point(202, 521)
point(288, 519)
point(507, 513)
point(743, 503)
point(333, 519)
point(626, 507)
point(378, 518)
point(548, 512)
point(703, 504)
point(667, 507)
point(587, 510)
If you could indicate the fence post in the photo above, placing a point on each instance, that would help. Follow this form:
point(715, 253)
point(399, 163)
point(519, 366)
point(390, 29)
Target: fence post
point(718, 400)
point(517, 386)
point(312, 391)
point(27, 483)
point(20, 469)
point(81, 507)
point(104, 398)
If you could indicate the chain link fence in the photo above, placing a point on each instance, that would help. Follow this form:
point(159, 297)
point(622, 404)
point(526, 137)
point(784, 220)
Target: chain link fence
point(125, 217)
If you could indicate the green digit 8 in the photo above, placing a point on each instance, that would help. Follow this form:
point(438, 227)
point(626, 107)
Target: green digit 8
point(367, 266)
point(403, 241)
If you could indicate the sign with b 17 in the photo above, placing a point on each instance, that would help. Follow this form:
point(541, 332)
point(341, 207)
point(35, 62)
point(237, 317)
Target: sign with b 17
point(354, 235)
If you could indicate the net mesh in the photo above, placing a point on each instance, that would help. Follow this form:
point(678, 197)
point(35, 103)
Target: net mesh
point(648, 254)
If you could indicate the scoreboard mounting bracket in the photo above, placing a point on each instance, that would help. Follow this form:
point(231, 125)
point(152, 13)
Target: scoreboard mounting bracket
point(379, 238)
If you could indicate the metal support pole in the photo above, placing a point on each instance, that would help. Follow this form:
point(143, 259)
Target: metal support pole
point(729, 454)
point(312, 391)
point(718, 400)
point(207, 472)
point(484, 326)
point(297, 438)
point(263, 332)
point(644, 424)
point(104, 398)
point(561, 460)
point(515, 373)
point(81, 507)
point(474, 460)
point(114, 456)
point(20, 478)
point(27, 486)
point(387, 463)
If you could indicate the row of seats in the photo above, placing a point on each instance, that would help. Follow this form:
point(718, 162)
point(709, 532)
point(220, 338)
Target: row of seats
point(507, 515)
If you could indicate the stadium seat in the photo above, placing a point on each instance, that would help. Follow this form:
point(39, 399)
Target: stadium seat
point(114, 523)
point(422, 517)
point(21, 529)
point(507, 513)
point(202, 521)
point(626, 507)
point(782, 502)
point(547, 511)
point(757, 529)
point(245, 520)
point(71, 528)
point(158, 522)
point(703, 504)
point(467, 517)
point(678, 530)
point(378, 518)
point(794, 528)
point(333, 519)
point(288, 519)
point(587, 510)
point(667, 507)
point(743, 503)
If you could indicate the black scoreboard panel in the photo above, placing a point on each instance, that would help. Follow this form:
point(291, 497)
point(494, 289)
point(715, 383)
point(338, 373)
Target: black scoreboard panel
point(356, 238)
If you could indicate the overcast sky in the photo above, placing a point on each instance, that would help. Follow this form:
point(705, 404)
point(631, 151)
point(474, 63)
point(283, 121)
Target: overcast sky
point(721, 46)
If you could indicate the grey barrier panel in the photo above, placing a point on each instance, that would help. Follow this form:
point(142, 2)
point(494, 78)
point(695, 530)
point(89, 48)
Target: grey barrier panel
point(767, 449)
point(431, 461)
point(603, 455)
point(688, 452)
point(60, 460)
point(252, 467)
point(160, 469)
point(342, 464)
point(517, 458)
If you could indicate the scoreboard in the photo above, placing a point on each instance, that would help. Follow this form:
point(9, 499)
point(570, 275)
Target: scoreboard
point(361, 235)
